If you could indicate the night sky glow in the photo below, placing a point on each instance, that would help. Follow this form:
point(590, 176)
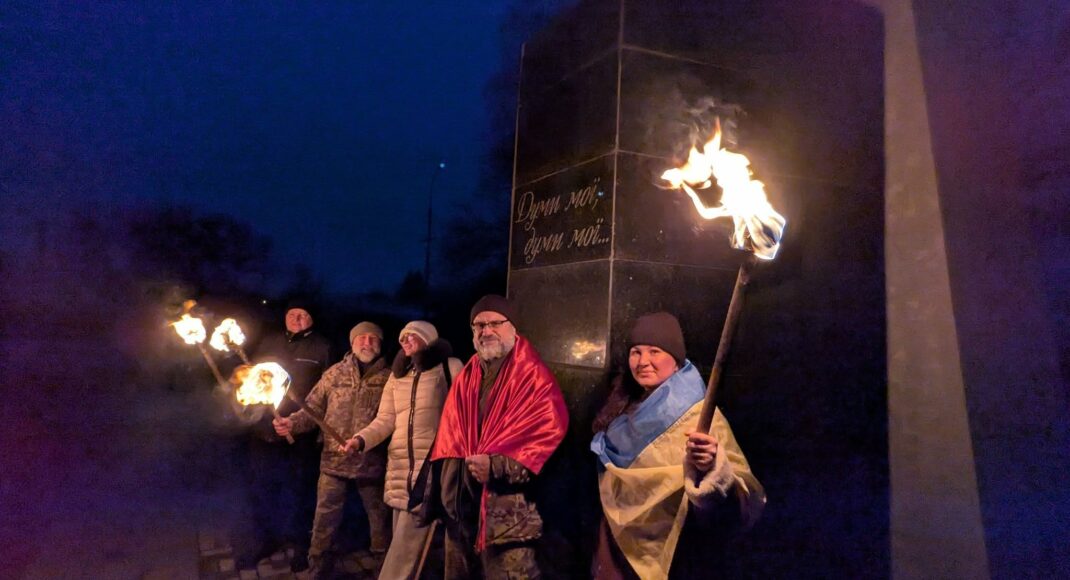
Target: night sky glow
point(321, 125)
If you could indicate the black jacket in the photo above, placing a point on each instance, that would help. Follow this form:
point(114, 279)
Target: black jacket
point(304, 355)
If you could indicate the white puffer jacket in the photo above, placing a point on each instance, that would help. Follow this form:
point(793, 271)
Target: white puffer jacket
point(420, 386)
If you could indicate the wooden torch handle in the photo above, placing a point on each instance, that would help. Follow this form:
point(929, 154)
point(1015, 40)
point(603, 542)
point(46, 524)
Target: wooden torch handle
point(705, 418)
point(319, 420)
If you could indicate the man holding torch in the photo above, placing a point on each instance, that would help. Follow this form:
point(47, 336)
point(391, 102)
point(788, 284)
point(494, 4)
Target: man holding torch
point(284, 475)
point(408, 416)
point(347, 398)
point(303, 352)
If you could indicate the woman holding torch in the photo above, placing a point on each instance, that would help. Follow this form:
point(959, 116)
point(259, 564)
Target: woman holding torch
point(408, 416)
point(667, 490)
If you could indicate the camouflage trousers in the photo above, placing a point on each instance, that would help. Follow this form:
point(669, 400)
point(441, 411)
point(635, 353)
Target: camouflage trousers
point(331, 495)
point(512, 561)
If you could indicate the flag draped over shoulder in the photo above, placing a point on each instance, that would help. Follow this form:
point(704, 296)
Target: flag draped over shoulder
point(642, 485)
point(525, 417)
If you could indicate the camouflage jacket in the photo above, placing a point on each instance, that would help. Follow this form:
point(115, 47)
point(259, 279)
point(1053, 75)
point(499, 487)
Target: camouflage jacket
point(348, 401)
point(511, 515)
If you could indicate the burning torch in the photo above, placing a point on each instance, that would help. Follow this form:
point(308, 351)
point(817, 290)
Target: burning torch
point(191, 330)
point(228, 337)
point(758, 229)
point(266, 384)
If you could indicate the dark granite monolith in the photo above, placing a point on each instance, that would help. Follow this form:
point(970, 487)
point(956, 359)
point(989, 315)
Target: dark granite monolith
point(976, 248)
point(595, 242)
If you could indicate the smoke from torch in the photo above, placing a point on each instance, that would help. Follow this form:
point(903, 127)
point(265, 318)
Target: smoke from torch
point(758, 229)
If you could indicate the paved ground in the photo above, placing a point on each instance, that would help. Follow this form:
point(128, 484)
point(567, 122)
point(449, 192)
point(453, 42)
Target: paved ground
point(217, 563)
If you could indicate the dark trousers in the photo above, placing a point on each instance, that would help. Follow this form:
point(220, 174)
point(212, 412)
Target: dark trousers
point(282, 486)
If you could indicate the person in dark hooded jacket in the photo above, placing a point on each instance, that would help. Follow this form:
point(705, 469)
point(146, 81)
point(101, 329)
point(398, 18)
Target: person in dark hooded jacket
point(283, 476)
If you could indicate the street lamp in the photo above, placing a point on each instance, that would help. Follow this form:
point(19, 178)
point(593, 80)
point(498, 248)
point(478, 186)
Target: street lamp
point(427, 255)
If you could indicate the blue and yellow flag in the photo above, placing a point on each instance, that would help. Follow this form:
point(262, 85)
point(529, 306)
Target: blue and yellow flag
point(642, 484)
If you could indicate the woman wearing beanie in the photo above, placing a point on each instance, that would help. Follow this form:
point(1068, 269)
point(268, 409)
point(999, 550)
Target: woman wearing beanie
point(408, 414)
point(670, 496)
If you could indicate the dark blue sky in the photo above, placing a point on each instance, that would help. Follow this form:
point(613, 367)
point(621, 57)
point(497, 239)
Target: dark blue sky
point(319, 123)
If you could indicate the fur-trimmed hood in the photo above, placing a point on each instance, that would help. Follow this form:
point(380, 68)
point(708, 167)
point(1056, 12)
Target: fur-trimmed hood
point(436, 353)
point(408, 416)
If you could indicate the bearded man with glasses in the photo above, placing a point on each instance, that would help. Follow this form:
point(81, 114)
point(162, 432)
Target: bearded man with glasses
point(502, 420)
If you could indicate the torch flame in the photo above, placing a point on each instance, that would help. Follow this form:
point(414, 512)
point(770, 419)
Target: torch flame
point(227, 333)
point(758, 227)
point(190, 329)
point(263, 384)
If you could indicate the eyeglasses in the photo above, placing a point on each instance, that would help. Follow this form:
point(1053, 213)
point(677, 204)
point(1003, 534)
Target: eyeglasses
point(478, 327)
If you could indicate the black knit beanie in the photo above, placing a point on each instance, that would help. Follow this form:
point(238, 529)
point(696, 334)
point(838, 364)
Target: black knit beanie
point(302, 303)
point(662, 330)
point(494, 303)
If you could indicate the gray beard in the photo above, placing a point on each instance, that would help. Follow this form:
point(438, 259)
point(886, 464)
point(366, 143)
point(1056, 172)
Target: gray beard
point(366, 355)
point(494, 350)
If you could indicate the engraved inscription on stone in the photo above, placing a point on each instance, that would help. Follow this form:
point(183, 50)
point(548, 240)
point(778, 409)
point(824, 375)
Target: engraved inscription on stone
point(564, 218)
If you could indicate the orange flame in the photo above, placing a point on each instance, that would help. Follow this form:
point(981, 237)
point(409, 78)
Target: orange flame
point(758, 227)
point(227, 333)
point(190, 329)
point(263, 384)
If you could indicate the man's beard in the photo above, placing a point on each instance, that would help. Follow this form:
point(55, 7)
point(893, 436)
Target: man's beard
point(367, 355)
point(492, 348)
